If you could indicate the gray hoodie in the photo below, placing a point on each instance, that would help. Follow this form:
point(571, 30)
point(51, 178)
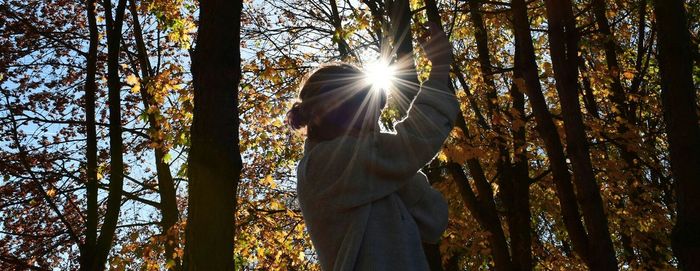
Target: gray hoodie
point(365, 203)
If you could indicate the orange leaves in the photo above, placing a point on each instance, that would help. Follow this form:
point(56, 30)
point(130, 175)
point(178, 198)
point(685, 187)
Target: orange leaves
point(166, 81)
point(461, 153)
point(547, 69)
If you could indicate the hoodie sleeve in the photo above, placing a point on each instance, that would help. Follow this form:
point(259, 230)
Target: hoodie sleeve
point(427, 206)
point(418, 137)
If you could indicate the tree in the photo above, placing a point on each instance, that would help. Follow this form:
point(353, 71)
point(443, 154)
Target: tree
point(525, 54)
point(116, 173)
point(563, 39)
point(680, 112)
point(214, 163)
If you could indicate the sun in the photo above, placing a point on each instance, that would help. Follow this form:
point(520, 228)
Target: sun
point(380, 75)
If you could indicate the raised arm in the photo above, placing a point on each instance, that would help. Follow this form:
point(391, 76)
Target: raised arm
point(430, 119)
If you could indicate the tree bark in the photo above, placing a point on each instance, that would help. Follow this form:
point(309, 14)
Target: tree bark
point(618, 92)
point(514, 185)
point(214, 163)
point(527, 68)
point(166, 185)
point(116, 169)
point(519, 215)
point(483, 209)
point(563, 40)
point(680, 112)
point(87, 250)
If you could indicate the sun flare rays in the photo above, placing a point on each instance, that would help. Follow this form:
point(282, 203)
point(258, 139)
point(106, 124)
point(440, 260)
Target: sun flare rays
point(380, 75)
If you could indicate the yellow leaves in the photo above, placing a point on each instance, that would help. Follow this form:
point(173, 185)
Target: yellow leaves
point(170, 15)
point(51, 193)
point(268, 181)
point(276, 205)
point(442, 156)
point(260, 251)
point(457, 133)
point(132, 79)
point(170, 264)
point(134, 82)
point(362, 22)
point(180, 32)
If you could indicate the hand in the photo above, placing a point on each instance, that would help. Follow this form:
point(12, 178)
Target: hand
point(438, 50)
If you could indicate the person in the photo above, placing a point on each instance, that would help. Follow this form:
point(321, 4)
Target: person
point(365, 203)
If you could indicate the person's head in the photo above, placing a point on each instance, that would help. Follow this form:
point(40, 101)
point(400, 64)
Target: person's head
point(335, 99)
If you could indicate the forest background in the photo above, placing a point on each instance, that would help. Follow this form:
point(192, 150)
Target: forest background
point(125, 143)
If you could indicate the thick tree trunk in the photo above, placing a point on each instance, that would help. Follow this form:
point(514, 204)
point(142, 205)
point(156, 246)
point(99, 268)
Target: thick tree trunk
point(563, 40)
point(525, 52)
point(214, 163)
point(166, 185)
point(116, 170)
point(519, 214)
point(680, 112)
point(87, 250)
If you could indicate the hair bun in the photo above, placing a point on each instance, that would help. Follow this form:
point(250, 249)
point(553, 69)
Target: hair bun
point(296, 117)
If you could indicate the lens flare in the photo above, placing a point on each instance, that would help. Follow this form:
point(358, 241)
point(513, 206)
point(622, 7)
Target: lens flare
point(380, 75)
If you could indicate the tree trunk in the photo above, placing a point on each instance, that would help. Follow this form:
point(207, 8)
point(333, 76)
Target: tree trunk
point(214, 163)
point(525, 52)
point(116, 169)
point(514, 185)
point(519, 214)
point(87, 250)
point(563, 40)
point(483, 209)
point(680, 112)
point(621, 112)
point(166, 185)
point(564, 51)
